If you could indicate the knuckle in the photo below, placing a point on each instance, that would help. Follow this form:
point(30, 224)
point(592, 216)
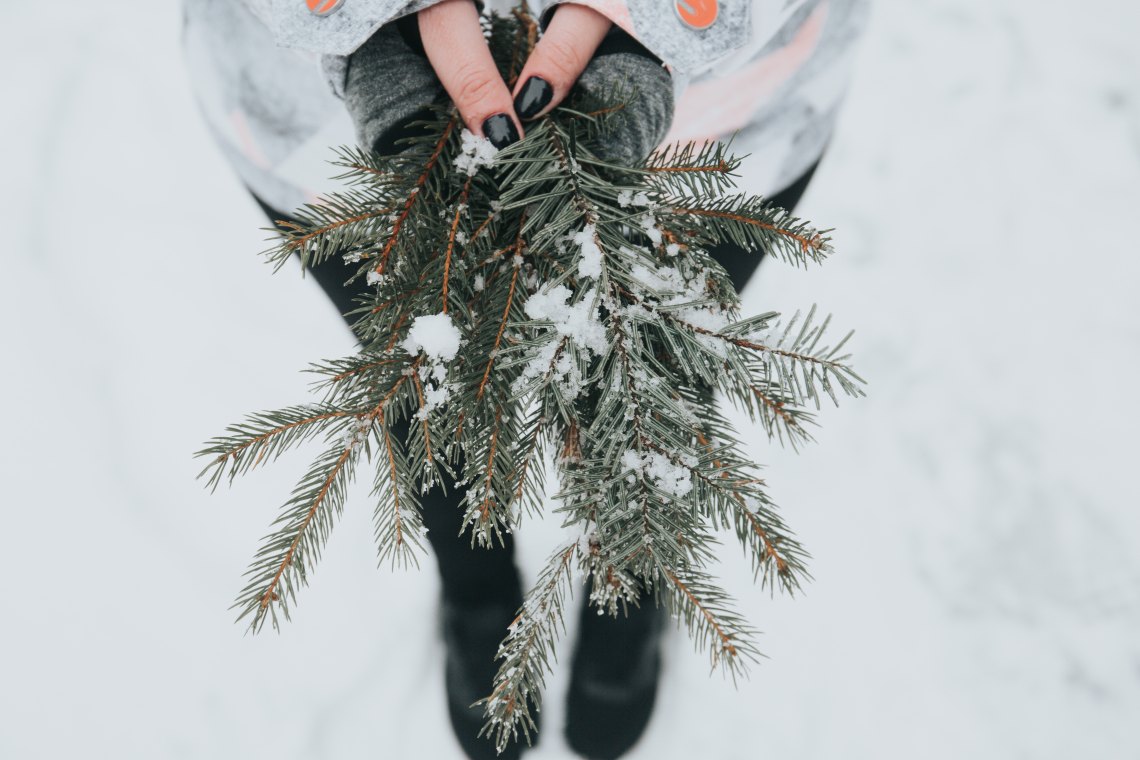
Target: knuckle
point(473, 85)
point(563, 60)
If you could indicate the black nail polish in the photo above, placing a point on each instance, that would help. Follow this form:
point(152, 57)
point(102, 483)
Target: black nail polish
point(534, 96)
point(500, 130)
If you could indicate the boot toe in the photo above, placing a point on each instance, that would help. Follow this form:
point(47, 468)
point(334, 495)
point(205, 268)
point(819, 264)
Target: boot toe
point(613, 686)
point(471, 636)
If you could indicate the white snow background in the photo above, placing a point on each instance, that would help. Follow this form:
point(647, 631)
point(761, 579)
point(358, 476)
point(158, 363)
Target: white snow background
point(974, 522)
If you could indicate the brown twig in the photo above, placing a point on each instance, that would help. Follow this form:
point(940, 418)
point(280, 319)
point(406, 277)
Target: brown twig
point(805, 243)
point(451, 239)
point(726, 640)
point(415, 193)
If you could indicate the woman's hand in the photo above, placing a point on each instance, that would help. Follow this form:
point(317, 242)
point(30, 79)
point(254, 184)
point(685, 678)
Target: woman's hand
point(391, 81)
point(558, 59)
point(453, 41)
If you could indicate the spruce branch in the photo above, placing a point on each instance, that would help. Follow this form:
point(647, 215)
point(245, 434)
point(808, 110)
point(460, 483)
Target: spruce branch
point(529, 475)
point(713, 624)
point(288, 554)
point(263, 437)
point(526, 652)
point(398, 526)
point(756, 226)
point(698, 170)
point(537, 305)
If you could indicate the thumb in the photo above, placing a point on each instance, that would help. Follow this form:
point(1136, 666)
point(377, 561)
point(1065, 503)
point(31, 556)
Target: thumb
point(558, 59)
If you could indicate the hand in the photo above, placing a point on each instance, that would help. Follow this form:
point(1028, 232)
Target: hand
point(565, 55)
point(559, 58)
point(410, 63)
point(582, 47)
point(390, 81)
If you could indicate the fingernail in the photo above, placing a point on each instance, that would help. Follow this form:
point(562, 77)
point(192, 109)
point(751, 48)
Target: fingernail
point(534, 96)
point(500, 130)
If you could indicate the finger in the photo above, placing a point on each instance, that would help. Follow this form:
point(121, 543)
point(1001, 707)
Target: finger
point(558, 59)
point(453, 41)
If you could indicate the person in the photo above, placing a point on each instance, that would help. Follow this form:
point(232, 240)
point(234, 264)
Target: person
point(282, 81)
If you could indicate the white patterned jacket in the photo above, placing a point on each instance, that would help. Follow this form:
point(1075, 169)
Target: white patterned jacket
point(772, 72)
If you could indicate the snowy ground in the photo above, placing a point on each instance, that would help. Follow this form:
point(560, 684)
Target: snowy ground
point(977, 586)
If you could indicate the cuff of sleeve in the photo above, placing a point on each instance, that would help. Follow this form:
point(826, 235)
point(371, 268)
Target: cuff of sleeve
point(334, 68)
point(618, 40)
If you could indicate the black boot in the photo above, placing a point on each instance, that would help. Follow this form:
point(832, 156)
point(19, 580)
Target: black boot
point(482, 593)
point(471, 634)
point(613, 683)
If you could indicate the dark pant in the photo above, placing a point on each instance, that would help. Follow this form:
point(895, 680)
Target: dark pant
point(470, 575)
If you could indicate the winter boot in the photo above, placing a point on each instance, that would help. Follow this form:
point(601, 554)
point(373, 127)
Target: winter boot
point(471, 635)
point(613, 682)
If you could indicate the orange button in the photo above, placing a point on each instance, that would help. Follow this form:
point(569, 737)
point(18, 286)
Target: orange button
point(324, 7)
point(699, 14)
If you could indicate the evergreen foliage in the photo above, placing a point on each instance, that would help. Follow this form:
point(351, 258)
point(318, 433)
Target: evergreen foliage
point(594, 330)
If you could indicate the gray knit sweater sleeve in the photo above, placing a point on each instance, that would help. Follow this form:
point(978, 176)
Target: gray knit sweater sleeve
point(624, 68)
point(648, 112)
point(388, 84)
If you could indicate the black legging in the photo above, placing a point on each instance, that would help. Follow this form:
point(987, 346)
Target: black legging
point(471, 575)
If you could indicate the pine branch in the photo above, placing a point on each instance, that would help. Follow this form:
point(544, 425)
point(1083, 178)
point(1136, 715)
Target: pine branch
point(413, 194)
point(699, 170)
point(544, 302)
point(712, 623)
point(262, 437)
point(459, 207)
point(801, 365)
point(528, 476)
point(499, 333)
point(398, 523)
point(287, 555)
point(526, 653)
point(756, 226)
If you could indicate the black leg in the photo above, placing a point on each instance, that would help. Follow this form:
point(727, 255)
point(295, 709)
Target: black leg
point(469, 575)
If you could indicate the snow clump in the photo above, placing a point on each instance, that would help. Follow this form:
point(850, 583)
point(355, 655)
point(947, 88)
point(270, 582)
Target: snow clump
point(590, 262)
point(627, 198)
point(671, 289)
point(578, 322)
point(476, 152)
point(434, 334)
point(438, 338)
point(652, 231)
point(674, 479)
point(356, 433)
